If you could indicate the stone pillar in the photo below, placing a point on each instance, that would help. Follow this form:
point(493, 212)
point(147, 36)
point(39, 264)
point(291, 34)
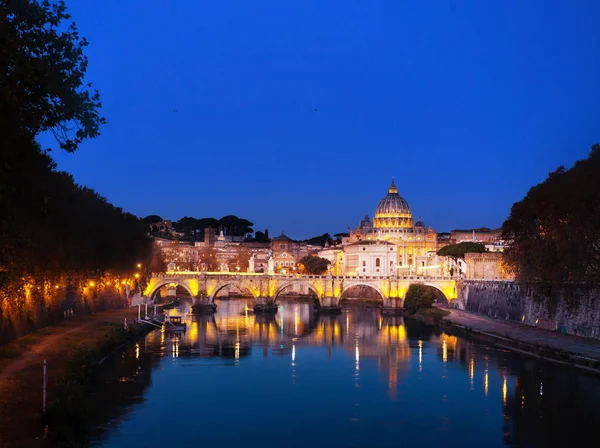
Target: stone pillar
point(265, 305)
point(330, 305)
point(392, 306)
point(203, 305)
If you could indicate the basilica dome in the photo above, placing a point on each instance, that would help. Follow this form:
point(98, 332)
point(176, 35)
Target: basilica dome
point(393, 211)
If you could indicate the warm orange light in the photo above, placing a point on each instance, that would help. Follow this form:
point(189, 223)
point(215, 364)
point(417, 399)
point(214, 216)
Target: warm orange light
point(137, 275)
point(108, 283)
point(56, 287)
point(139, 265)
point(92, 284)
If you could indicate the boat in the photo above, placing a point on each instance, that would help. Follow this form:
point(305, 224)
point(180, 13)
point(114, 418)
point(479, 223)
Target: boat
point(175, 323)
point(170, 305)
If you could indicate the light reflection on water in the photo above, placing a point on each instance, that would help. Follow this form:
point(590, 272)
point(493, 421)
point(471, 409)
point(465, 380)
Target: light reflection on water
point(358, 379)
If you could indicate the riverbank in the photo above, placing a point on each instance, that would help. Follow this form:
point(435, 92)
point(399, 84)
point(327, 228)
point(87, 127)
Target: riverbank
point(532, 341)
point(21, 364)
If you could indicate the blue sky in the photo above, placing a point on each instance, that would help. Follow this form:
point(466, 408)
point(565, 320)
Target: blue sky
point(211, 106)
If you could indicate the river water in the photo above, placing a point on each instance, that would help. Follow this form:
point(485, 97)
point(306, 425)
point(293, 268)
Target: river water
point(298, 379)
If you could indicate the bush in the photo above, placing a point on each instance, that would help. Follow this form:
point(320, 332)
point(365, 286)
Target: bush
point(419, 297)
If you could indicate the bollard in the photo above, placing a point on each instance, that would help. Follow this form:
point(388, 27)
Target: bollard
point(146, 311)
point(125, 323)
point(44, 383)
point(139, 311)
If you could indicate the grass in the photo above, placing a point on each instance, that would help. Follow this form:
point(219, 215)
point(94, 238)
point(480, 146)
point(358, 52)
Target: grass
point(21, 393)
point(431, 316)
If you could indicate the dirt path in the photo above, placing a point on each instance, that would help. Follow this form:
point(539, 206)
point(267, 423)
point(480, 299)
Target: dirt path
point(21, 364)
point(37, 353)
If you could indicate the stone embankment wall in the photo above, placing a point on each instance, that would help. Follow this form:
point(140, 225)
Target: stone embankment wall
point(504, 300)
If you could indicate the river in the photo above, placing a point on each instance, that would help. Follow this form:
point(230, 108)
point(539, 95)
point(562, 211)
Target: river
point(298, 379)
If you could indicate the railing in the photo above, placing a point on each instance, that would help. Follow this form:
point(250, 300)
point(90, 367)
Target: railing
point(189, 274)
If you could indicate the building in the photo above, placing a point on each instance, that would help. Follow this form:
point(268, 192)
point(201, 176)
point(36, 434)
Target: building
point(370, 258)
point(486, 266)
point(393, 223)
point(481, 235)
point(287, 253)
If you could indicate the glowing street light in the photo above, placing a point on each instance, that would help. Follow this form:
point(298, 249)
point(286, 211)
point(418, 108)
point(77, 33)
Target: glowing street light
point(139, 265)
point(137, 275)
point(92, 284)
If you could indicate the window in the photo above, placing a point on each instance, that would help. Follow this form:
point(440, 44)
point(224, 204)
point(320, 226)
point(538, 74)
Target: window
point(284, 255)
point(391, 264)
point(287, 263)
point(282, 246)
point(422, 264)
point(364, 248)
point(391, 249)
point(291, 263)
point(364, 263)
point(377, 263)
point(364, 270)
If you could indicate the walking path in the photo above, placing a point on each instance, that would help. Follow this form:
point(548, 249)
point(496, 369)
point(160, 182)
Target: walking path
point(21, 364)
point(510, 332)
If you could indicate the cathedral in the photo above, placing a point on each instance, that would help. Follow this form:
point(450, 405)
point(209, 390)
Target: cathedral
point(403, 243)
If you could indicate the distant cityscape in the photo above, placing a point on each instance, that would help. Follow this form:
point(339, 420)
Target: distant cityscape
point(391, 243)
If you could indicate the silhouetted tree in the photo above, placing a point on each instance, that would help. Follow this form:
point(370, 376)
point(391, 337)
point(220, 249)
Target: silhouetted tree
point(554, 232)
point(313, 265)
point(456, 251)
point(42, 69)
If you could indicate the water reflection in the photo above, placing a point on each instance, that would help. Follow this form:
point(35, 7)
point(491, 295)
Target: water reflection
point(356, 379)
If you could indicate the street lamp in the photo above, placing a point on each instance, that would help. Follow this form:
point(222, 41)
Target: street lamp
point(139, 265)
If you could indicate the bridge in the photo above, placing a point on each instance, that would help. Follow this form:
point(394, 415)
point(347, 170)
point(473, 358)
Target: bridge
point(266, 288)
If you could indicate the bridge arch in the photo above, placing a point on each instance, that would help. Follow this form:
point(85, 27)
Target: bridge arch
point(160, 284)
point(439, 289)
point(349, 286)
point(240, 285)
point(310, 286)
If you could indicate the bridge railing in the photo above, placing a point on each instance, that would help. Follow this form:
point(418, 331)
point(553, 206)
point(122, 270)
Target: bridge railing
point(190, 274)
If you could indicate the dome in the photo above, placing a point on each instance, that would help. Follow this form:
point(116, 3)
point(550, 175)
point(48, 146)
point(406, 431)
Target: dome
point(419, 223)
point(392, 211)
point(392, 204)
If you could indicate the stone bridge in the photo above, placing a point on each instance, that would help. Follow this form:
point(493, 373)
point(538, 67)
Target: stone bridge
point(265, 288)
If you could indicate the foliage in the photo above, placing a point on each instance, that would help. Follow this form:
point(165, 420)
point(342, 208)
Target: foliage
point(459, 250)
point(240, 262)
point(193, 228)
point(207, 259)
point(42, 69)
point(419, 297)
point(553, 234)
point(54, 234)
point(260, 237)
point(313, 265)
point(320, 240)
point(151, 219)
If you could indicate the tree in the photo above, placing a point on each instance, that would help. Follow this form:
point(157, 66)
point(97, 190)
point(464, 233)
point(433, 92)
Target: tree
point(234, 226)
point(151, 219)
point(240, 262)
point(553, 234)
point(261, 237)
point(42, 76)
point(313, 265)
point(208, 259)
point(456, 251)
point(320, 240)
point(419, 297)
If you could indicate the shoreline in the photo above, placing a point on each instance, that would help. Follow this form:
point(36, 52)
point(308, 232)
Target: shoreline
point(548, 345)
point(88, 340)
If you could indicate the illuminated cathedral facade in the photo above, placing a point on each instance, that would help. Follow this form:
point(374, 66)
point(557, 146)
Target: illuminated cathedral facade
point(392, 225)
